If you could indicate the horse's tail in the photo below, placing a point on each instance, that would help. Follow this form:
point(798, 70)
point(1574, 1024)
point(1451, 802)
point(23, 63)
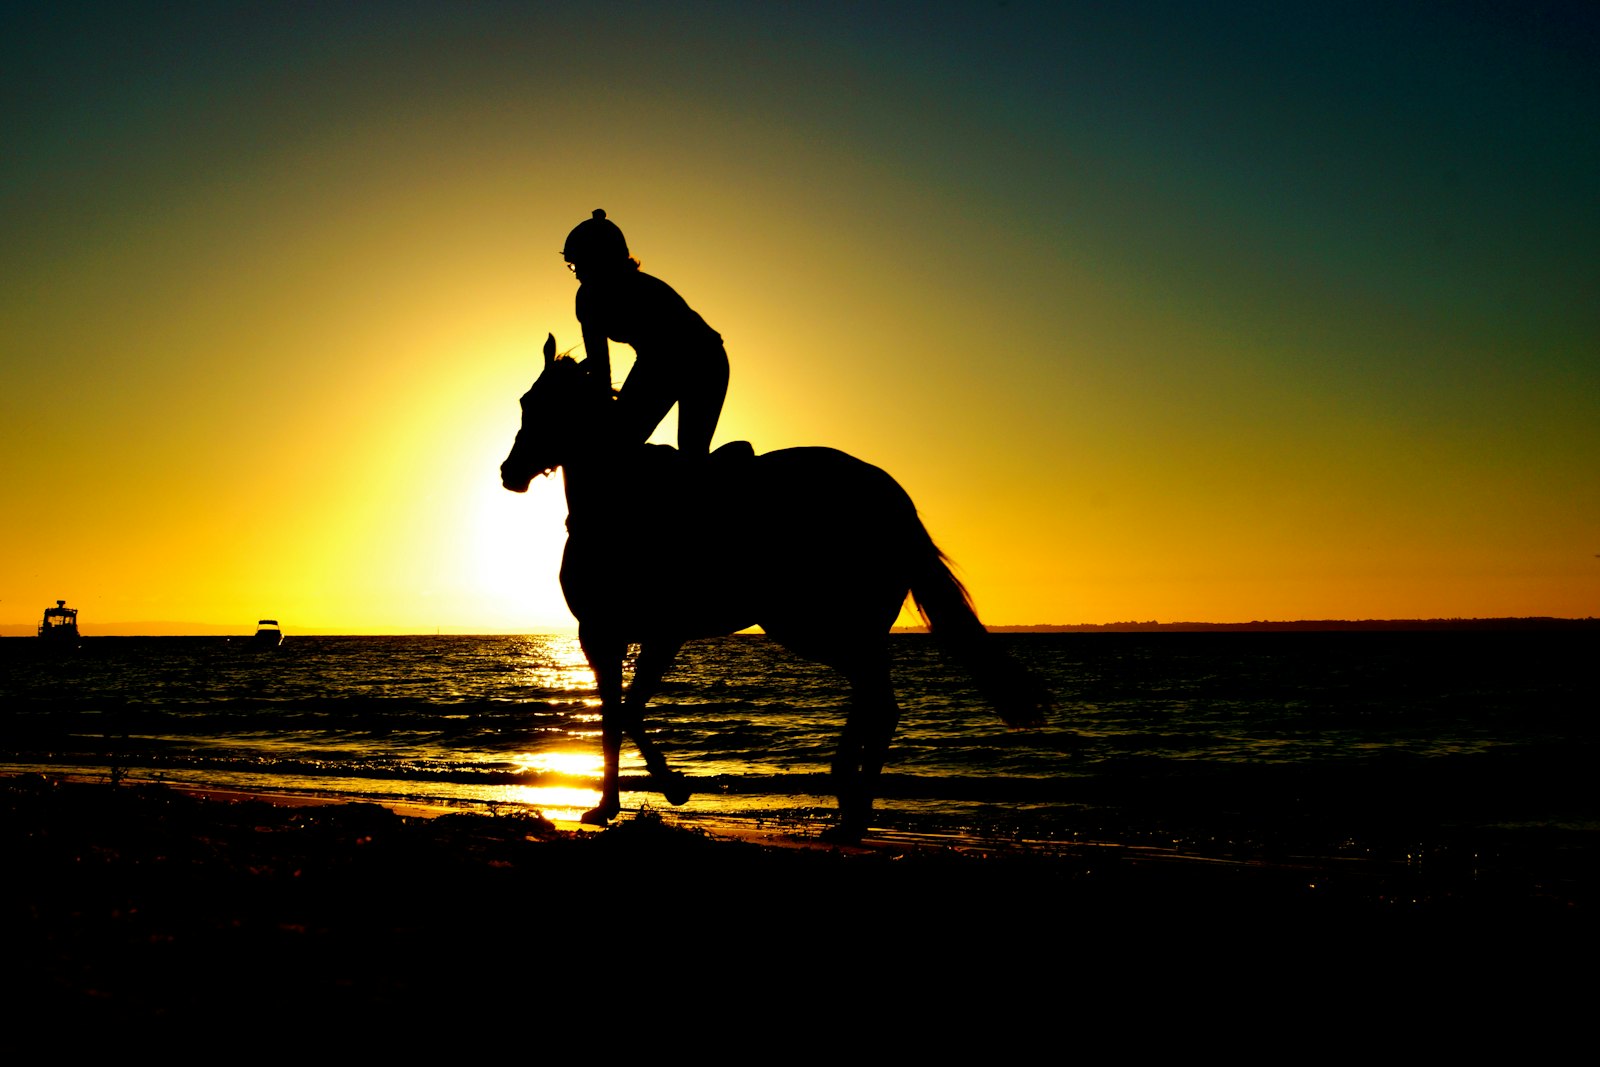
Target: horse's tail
point(946, 608)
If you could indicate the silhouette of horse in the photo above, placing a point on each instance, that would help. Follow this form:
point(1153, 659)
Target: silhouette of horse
point(816, 547)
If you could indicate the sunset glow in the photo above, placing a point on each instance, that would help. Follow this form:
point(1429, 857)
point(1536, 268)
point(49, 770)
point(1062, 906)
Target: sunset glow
point(1169, 315)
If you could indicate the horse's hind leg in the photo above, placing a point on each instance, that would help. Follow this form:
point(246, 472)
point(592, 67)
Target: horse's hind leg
point(655, 658)
point(874, 715)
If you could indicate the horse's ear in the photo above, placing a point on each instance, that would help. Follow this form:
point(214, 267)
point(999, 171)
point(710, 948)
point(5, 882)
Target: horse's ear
point(549, 350)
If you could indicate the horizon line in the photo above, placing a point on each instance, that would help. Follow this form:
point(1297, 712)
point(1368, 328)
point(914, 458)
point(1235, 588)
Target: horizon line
point(161, 628)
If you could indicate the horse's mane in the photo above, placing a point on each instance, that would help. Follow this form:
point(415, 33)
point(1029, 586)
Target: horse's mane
point(577, 369)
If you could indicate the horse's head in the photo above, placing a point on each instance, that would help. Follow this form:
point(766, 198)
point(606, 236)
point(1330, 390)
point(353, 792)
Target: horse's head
point(551, 410)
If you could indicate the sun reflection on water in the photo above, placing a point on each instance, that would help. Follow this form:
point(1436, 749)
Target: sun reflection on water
point(558, 803)
point(563, 801)
point(558, 664)
point(569, 762)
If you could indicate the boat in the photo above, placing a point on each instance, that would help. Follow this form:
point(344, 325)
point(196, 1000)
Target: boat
point(60, 623)
point(268, 635)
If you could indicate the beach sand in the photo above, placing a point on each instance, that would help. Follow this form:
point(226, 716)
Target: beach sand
point(142, 904)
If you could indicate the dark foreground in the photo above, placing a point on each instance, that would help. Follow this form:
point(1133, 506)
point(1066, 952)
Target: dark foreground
point(146, 905)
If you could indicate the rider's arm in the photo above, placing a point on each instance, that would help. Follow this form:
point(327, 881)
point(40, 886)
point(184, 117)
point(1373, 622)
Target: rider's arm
point(597, 357)
point(596, 347)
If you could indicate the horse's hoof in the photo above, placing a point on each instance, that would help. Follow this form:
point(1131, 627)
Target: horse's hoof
point(596, 817)
point(675, 788)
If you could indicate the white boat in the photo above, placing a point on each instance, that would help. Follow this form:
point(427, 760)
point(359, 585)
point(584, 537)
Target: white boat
point(267, 634)
point(60, 623)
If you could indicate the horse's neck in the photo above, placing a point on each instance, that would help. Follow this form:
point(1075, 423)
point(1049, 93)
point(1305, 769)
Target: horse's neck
point(594, 463)
point(598, 483)
point(614, 485)
point(585, 487)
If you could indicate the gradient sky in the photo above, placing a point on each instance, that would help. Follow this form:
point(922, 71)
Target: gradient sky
point(1159, 311)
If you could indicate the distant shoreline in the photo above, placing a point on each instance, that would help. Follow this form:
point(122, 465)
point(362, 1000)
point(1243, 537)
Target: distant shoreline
point(1303, 626)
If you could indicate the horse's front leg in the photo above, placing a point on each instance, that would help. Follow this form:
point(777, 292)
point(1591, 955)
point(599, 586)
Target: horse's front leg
point(605, 660)
point(655, 657)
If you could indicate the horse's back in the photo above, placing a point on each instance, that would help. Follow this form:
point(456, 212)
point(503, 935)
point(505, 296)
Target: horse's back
point(837, 478)
point(797, 541)
point(839, 541)
point(816, 492)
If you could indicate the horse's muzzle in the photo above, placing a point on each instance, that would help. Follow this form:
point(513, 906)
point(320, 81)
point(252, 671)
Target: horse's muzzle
point(515, 481)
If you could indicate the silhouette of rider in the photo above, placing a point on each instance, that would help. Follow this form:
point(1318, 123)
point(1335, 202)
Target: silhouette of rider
point(678, 358)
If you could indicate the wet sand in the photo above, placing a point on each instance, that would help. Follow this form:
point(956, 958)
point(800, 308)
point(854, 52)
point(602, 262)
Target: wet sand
point(144, 903)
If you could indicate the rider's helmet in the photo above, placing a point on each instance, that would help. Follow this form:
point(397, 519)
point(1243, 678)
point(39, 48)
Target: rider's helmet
point(595, 240)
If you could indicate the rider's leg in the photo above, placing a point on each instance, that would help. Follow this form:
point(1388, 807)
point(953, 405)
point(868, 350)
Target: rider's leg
point(705, 388)
point(645, 398)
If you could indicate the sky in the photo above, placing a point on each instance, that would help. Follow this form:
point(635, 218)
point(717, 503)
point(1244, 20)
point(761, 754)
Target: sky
point(1159, 311)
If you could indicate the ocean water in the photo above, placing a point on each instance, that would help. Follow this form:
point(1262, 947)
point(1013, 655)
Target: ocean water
point(1209, 740)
